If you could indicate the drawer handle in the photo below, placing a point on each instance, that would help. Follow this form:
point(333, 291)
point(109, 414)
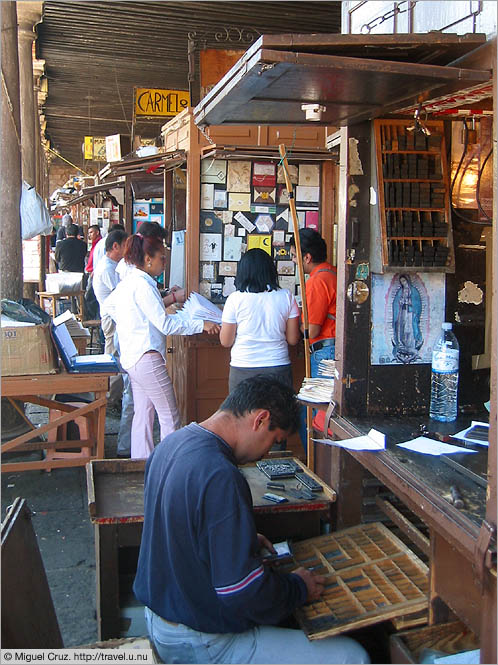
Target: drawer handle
point(169, 349)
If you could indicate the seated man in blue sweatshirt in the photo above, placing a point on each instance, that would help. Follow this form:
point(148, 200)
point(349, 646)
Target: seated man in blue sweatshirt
point(208, 596)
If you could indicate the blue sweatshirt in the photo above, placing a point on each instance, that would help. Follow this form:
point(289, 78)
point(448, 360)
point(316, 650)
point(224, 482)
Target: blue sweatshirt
point(199, 563)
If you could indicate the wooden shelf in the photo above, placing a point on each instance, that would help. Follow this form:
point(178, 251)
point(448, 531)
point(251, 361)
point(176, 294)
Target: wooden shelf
point(417, 238)
point(411, 152)
point(420, 209)
point(397, 221)
point(413, 180)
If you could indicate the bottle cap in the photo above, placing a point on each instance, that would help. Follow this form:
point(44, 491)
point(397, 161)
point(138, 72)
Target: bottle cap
point(447, 326)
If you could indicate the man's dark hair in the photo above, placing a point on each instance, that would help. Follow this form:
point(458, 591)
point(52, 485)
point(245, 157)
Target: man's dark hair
point(117, 227)
point(115, 236)
point(265, 392)
point(72, 231)
point(312, 243)
point(256, 272)
point(94, 226)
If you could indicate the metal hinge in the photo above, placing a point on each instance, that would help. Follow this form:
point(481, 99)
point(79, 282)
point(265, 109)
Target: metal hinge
point(348, 380)
point(484, 552)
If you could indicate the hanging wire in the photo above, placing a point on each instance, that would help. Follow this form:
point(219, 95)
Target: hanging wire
point(478, 189)
point(289, 151)
point(464, 152)
point(56, 154)
point(119, 97)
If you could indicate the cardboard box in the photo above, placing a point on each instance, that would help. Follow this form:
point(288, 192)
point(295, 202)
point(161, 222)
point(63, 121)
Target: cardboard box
point(27, 350)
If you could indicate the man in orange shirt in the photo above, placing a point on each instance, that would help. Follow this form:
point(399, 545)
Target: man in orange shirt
point(321, 292)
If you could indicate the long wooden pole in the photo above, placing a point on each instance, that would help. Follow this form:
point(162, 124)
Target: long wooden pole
point(297, 242)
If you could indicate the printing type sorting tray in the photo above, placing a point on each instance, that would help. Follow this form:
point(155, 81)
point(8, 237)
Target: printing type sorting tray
point(371, 576)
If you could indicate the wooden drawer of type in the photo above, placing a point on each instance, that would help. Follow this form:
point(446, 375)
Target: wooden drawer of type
point(371, 577)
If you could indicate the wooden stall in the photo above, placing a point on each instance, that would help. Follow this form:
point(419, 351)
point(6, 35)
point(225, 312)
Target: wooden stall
point(397, 214)
point(116, 506)
point(204, 198)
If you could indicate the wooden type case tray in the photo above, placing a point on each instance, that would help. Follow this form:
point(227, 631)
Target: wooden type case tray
point(371, 576)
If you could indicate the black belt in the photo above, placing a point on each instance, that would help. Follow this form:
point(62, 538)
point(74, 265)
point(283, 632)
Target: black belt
point(320, 344)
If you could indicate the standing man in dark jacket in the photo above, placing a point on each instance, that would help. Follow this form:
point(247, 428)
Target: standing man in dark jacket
point(70, 253)
point(209, 598)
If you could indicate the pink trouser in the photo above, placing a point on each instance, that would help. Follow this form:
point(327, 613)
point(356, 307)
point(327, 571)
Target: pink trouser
point(152, 389)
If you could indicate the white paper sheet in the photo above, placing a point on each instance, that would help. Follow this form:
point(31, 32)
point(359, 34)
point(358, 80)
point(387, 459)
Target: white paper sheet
point(462, 658)
point(462, 435)
point(423, 444)
point(243, 221)
point(232, 249)
point(210, 249)
point(309, 194)
point(207, 196)
point(373, 441)
point(177, 264)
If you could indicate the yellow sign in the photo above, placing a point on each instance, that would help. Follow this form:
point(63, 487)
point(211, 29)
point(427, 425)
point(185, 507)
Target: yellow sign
point(95, 148)
point(88, 147)
point(158, 102)
point(263, 242)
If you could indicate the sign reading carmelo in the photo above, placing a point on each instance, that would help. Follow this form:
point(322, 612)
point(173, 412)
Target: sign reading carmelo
point(158, 102)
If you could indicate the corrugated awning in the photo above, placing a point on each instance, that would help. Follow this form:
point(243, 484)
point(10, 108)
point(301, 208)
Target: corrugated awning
point(152, 165)
point(89, 192)
point(269, 84)
point(267, 152)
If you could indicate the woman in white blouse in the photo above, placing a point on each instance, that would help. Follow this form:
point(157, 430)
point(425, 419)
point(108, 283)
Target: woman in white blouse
point(142, 325)
point(259, 320)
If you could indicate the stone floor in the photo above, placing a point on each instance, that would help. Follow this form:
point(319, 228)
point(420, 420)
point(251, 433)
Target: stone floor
point(58, 501)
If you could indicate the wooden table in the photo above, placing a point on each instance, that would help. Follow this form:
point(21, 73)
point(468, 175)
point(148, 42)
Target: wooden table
point(116, 506)
point(54, 297)
point(39, 389)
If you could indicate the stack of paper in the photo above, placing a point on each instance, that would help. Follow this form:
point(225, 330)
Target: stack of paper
point(326, 367)
point(198, 307)
point(316, 390)
point(74, 327)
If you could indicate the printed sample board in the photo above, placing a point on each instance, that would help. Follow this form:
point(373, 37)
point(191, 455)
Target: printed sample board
point(371, 576)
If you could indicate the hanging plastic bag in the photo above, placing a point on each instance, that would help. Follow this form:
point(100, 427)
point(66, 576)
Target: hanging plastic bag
point(35, 218)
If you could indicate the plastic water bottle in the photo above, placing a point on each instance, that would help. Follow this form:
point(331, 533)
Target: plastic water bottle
point(444, 379)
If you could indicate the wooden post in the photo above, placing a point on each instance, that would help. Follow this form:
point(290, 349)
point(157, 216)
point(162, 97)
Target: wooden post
point(10, 154)
point(307, 363)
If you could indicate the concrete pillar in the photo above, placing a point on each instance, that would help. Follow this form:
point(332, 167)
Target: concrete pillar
point(28, 15)
point(10, 157)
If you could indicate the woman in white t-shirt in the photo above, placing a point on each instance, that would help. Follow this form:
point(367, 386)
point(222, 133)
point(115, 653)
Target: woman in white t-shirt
point(259, 320)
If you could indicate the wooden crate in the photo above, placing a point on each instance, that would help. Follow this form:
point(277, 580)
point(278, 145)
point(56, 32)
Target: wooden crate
point(449, 638)
point(115, 490)
point(371, 576)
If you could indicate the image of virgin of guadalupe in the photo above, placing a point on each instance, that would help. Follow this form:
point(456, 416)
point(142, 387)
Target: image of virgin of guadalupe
point(407, 308)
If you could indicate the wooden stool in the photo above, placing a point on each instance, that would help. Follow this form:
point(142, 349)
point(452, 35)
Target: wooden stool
point(95, 345)
point(53, 298)
point(86, 426)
